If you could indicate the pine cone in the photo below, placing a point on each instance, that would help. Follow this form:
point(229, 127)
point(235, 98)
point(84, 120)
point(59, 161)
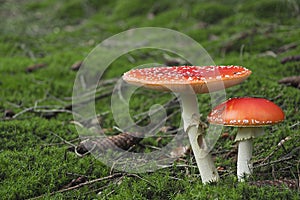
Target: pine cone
point(123, 141)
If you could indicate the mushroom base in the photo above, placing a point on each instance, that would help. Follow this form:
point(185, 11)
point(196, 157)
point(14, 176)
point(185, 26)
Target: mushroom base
point(244, 138)
point(190, 116)
point(244, 164)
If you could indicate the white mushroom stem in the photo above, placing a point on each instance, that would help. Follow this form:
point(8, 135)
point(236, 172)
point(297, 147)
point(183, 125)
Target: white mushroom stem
point(190, 111)
point(244, 164)
point(244, 138)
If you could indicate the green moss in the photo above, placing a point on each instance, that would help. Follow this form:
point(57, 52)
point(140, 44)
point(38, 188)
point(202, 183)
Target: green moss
point(34, 156)
point(275, 10)
point(132, 8)
point(211, 12)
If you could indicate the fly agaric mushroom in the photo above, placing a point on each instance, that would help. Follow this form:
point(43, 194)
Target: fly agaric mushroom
point(250, 115)
point(186, 81)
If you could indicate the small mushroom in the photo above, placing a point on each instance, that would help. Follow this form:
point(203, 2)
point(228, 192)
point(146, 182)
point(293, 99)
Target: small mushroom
point(186, 81)
point(250, 115)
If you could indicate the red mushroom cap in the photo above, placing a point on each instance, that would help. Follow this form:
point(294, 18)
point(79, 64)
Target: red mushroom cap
point(246, 112)
point(181, 78)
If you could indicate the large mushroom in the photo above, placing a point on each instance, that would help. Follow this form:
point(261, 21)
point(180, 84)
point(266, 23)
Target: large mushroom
point(250, 115)
point(186, 81)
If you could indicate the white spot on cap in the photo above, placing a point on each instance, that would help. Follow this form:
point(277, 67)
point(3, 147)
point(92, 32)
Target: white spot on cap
point(246, 121)
point(232, 121)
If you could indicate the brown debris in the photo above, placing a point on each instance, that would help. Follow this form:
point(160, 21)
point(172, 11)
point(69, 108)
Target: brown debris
point(35, 67)
point(286, 48)
point(174, 61)
point(8, 114)
point(123, 141)
point(76, 66)
point(290, 59)
point(292, 184)
point(232, 153)
point(180, 151)
point(110, 177)
point(291, 81)
point(225, 135)
point(166, 129)
point(221, 168)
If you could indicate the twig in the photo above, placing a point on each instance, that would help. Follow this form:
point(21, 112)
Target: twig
point(23, 111)
point(296, 124)
point(68, 108)
point(137, 176)
point(276, 161)
point(63, 140)
point(280, 144)
point(147, 112)
point(109, 193)
point(97, 190)
point(290, 154)
point(60, 143)
point(100, 96)
point(43, 109)
point(100, 88)
point(81, 185)
point(298, 172)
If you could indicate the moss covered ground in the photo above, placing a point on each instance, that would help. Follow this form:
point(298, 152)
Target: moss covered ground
point(37, 135)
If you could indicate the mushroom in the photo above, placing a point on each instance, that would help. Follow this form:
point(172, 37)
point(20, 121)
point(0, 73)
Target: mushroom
point(186, 81)
point(250, 115)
